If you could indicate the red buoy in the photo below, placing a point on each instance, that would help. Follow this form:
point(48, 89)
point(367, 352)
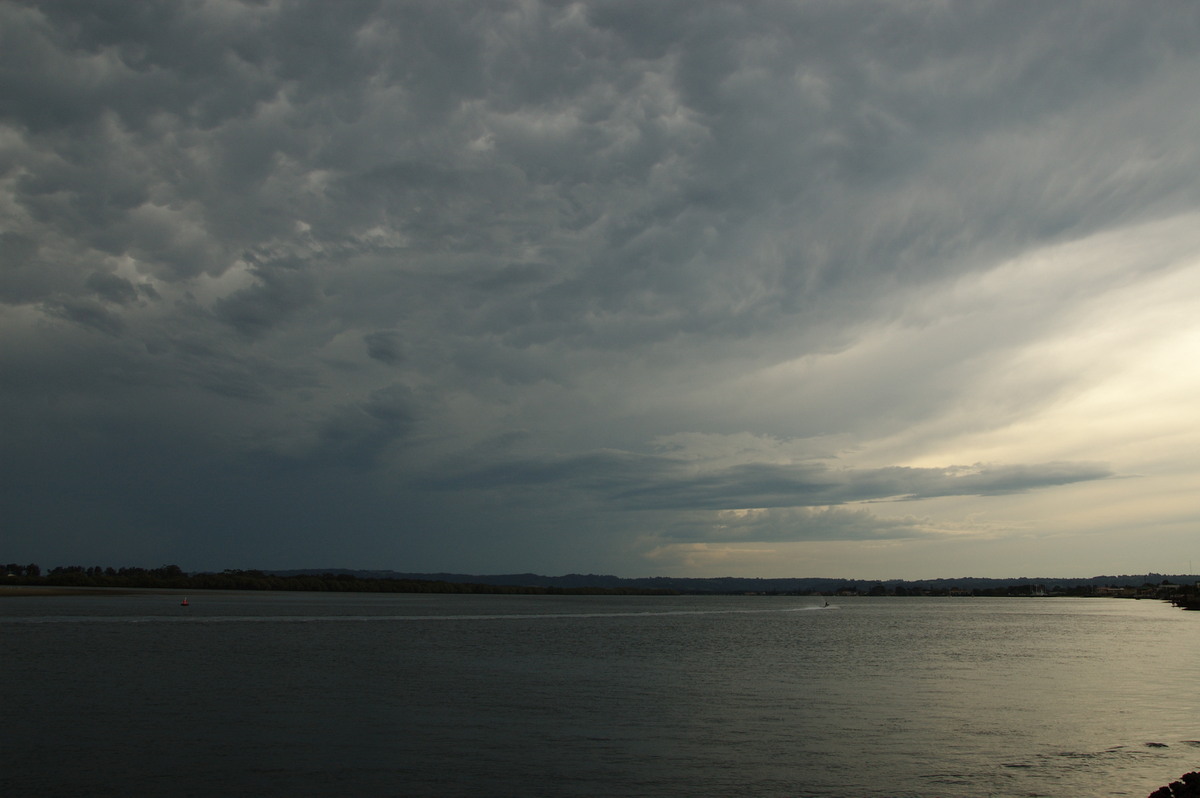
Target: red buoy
point(184, 602)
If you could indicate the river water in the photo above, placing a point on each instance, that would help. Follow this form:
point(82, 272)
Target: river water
point(303, 694)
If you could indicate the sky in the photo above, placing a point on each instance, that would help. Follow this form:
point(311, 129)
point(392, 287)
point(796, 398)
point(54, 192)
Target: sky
point(831, 288)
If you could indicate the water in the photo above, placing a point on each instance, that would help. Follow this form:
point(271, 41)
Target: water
point(409, 695)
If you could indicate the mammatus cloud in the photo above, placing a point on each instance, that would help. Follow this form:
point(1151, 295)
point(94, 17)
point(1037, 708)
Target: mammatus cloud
point(520, 284)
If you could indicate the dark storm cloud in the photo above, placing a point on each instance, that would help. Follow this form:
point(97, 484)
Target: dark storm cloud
point(378, 239)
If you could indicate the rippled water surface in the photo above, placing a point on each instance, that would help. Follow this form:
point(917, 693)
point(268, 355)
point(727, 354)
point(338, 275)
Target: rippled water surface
point(313, 694)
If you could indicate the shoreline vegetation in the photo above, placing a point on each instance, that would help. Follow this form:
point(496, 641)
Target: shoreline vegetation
point(1182, 591)
point(76, 580)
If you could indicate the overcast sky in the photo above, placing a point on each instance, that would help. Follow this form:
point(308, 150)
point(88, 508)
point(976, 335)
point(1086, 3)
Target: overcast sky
point(813, 288)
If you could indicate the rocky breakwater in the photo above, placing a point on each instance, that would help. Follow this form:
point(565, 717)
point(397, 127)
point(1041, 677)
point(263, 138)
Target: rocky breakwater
point(1188, 786)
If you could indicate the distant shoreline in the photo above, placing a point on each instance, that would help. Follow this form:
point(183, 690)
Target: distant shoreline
point(64, 590)
point(1184, 591)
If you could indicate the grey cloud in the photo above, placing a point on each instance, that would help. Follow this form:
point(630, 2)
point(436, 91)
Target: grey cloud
point(25, 276)
point(112, 288)
point(356, 436)
point(152, 56)
point(793, 524)
point(735, 178)
point(600, 223)
point(352, 437)
point(230, 379)
point(17, 249)
point(594, 470)
point(282, 290)
point(638, 482)
point(87, 313)
point(760, 485)
point(384, 346)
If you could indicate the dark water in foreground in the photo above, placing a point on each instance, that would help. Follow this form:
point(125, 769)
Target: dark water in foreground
point(312, 695)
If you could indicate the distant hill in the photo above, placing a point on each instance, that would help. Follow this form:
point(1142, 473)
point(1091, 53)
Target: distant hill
point(735, 584)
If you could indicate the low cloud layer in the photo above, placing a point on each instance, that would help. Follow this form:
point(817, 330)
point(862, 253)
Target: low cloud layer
point(547, 286)
point(627, 481)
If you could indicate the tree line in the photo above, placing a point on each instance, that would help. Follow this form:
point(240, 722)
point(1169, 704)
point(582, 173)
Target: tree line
point(175, 578)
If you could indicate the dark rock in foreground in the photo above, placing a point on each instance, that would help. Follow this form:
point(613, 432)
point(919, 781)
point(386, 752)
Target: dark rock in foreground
point(1187, 787)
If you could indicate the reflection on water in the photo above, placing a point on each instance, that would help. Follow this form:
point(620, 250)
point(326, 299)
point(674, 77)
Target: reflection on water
point(309, 694)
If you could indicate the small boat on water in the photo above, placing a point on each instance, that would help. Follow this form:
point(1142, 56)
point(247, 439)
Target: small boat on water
point(183, 603)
